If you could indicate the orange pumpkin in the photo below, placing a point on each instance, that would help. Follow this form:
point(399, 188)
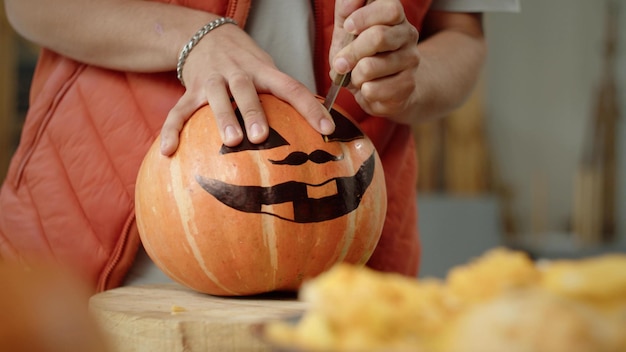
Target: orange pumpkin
point(260, 217)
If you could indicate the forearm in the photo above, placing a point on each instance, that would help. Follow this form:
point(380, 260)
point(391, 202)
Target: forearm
point(127, 35)
point(451, 61)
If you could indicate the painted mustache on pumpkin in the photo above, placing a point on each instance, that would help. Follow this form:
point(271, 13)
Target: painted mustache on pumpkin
point(299, 158)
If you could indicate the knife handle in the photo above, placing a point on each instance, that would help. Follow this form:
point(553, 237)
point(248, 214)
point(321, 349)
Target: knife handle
point(342, 80)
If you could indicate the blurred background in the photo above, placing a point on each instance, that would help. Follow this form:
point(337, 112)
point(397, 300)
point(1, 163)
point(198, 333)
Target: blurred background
point(534, 160)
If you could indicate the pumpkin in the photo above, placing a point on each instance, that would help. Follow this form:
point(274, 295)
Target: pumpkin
point(263, 217)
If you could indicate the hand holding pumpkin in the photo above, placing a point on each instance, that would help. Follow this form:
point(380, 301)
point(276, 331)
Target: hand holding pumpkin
point(225, 63)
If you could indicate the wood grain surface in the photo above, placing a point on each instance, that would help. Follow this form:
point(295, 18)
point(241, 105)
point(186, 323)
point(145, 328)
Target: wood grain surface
point(170, 317)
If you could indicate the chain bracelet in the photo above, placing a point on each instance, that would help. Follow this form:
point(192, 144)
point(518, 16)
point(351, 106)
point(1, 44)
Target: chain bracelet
point(194, 40)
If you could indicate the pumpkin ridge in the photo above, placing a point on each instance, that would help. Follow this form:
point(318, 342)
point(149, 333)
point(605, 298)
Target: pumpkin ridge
point(185, 211)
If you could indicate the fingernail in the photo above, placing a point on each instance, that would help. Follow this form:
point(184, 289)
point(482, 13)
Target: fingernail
point(256, 131)
point(230, 133)
point(348, 26)
point(342, 65)
point(164, 146)
point(327, 126)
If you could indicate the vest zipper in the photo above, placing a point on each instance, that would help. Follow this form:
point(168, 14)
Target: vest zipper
point(318, 49)
point(103, 282)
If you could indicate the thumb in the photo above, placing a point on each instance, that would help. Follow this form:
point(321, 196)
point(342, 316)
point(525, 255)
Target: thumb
point(175, 120)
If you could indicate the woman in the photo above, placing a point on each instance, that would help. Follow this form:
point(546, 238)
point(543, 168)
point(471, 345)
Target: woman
point(106, 85)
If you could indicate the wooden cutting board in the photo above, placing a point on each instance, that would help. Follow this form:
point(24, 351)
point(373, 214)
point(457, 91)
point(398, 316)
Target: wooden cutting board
point(170, 318)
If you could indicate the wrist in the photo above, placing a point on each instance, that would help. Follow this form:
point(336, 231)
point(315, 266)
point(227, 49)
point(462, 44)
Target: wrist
point(195, 39)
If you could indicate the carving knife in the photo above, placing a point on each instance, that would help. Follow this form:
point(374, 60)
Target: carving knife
point(340, 80)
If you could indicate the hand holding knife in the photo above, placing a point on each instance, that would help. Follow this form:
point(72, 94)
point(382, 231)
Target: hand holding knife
point(341, 80)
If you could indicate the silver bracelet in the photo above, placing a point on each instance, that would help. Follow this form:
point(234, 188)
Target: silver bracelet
point(195, 39)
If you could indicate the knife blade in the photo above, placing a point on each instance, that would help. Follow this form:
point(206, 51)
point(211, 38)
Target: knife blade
point(341, 80)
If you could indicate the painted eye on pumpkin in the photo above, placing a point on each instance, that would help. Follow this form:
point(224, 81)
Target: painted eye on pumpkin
point(273, 140)
point(345, 130)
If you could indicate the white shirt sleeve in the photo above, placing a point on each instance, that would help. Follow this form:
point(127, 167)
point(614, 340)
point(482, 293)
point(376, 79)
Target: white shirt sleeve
point(476, 5)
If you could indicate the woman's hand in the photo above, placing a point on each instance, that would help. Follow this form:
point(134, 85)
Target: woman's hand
point(395, 77)
point(383, 57)
point(146, 36)
point(225, 63)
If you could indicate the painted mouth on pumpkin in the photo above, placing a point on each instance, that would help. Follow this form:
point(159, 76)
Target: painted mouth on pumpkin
point(326, 189)
point(296, 201)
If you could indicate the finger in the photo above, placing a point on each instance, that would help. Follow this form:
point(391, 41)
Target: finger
point(305, 103)
point(222, 108)
point(387, 38)
point(313, 111)
point(344, 8)
point(387, 96)
point(381, 12)
point(245, 94)
point(375, 40)
point(175, 121)
point(341, 38)
point(383, 65)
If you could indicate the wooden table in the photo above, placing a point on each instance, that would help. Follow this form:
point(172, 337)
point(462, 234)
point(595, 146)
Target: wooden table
point(170, 318)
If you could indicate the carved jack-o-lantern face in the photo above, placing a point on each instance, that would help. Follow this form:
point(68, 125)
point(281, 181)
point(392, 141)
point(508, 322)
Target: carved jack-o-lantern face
point(264, 217)
point(253, 198)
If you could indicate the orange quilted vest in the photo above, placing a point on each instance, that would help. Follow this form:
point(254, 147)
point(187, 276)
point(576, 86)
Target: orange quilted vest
point(69, 192)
